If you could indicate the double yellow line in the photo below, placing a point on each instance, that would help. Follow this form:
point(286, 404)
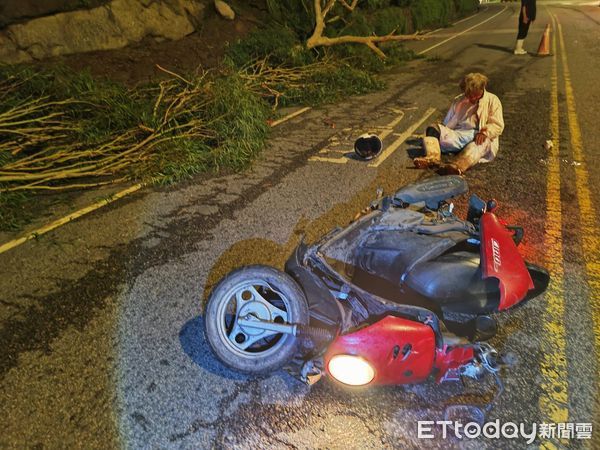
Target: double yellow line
point(554, 400)
point(590, 231)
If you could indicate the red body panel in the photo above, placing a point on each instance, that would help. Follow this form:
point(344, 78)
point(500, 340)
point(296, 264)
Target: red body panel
point(376, 343)
point(501, 259)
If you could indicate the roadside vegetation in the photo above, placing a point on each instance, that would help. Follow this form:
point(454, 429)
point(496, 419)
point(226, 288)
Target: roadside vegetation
point(61, 130)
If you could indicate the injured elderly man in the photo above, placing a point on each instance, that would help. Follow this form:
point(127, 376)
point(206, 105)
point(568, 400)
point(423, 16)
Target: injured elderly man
point(471, 129)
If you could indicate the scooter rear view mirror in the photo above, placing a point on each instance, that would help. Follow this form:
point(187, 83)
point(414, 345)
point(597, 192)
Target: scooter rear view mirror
point(476, 209)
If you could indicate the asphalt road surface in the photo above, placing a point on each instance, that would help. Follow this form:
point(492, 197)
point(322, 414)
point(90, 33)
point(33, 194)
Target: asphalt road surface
point(101, 320)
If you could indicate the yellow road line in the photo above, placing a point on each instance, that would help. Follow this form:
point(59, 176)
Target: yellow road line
point(590, 232)
point(554, 398)
point(462, 32)
point(404, 136)
point(57, 223)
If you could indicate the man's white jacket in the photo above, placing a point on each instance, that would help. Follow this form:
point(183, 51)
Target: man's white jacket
point(490, 120)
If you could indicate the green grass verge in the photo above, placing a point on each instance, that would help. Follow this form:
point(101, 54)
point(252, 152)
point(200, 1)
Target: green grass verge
point(235, 109)
point(15, 211)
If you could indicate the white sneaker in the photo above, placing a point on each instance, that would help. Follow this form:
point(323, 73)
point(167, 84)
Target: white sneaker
point(519, 47)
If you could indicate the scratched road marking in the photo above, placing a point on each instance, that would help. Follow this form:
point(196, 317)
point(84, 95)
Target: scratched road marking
point(400, 140)
point(383, 132)
point(330, 160)
point(553, 366)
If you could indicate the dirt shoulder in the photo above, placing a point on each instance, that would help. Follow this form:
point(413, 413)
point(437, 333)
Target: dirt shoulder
point(204, 48)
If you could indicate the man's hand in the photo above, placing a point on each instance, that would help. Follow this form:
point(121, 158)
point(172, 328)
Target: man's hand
point(480, 138)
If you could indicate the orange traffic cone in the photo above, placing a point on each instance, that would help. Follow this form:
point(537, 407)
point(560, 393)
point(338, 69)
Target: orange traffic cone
point(544, 48)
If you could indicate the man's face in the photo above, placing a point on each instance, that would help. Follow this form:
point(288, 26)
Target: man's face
point(474, 96)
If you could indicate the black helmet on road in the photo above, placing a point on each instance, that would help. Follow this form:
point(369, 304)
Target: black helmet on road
point(368, 146)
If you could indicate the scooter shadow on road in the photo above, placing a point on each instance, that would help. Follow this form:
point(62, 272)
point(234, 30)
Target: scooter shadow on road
point(193, 342)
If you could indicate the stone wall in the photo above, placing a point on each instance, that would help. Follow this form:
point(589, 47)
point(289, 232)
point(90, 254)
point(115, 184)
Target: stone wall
point(114, 24)
point(14, 11)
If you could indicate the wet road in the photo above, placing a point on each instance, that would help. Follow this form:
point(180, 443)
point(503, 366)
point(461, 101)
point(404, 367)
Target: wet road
point(101, 319)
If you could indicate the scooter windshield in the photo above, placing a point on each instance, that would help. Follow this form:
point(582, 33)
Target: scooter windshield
point(501, 259)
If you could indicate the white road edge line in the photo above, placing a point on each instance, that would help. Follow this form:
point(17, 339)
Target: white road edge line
point(75, 215)
point(290, 116)
point(462, 32)
point(398, 142)
point(57, 223)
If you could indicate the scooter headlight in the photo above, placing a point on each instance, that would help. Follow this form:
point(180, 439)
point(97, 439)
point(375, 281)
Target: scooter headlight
point(351, 370)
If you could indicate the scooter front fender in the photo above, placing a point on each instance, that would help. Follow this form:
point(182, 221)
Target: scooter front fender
point(400, 351)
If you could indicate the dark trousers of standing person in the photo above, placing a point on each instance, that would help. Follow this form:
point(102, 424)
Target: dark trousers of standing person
point(523, 29)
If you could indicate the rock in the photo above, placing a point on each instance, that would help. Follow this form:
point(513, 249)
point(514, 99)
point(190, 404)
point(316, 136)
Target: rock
point(158, 19)
point(13, 11)
point(73, 32)
point(10, 52)
point(224, 10)
point(114, 25)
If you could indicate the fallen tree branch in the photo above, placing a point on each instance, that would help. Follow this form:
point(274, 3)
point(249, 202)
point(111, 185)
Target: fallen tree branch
point(318, 40)
point(39, 151)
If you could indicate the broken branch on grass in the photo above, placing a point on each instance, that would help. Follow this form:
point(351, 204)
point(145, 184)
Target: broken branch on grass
point(318, 39)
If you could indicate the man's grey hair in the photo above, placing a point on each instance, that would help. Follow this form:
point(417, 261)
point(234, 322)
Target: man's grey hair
point(473, 82)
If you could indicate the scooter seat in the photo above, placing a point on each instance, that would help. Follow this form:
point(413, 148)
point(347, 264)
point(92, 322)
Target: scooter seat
point(432, 191)
point(454, 282)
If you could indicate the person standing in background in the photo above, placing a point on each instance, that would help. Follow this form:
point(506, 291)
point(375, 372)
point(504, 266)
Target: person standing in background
point(526, 16)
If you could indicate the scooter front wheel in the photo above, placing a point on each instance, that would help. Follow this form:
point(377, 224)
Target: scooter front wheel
point(239, 304)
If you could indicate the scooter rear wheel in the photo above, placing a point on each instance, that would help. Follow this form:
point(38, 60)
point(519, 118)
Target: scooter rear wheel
point(256, 292)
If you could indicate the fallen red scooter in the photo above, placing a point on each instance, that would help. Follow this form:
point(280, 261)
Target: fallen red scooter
point(383, 300)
